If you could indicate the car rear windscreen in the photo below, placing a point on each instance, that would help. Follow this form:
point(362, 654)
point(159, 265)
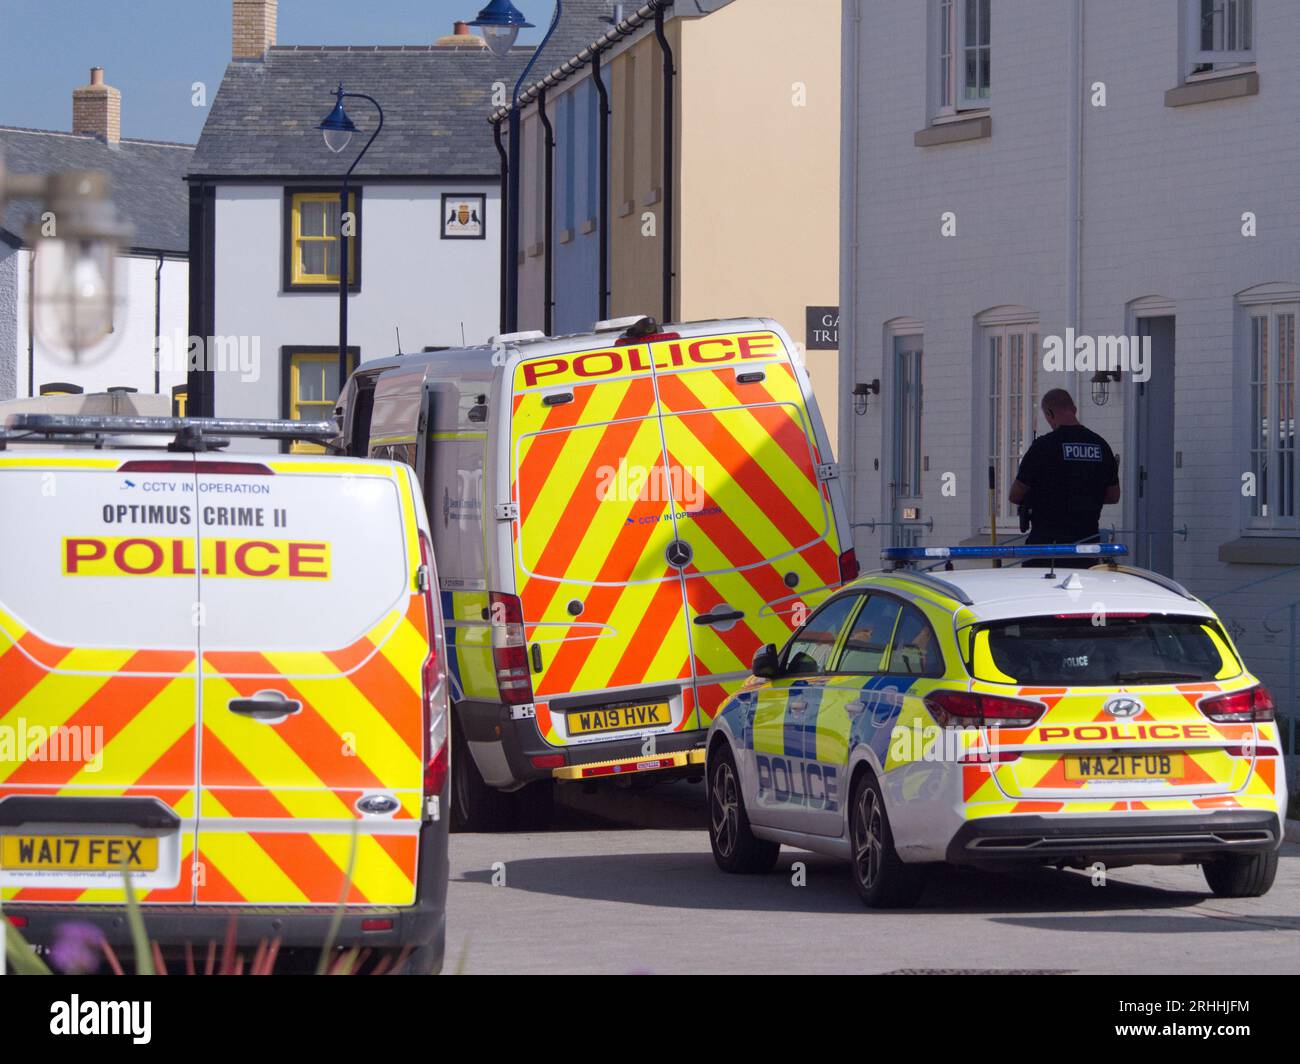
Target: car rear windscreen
point(1097, 649)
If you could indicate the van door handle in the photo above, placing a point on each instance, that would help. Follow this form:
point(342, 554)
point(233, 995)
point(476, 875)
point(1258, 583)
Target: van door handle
point(854, 708)
point(720, 618)
point(798, 706)
point(269, 707)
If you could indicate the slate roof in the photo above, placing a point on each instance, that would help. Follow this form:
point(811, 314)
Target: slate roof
point(263, 121)
point(148, 181)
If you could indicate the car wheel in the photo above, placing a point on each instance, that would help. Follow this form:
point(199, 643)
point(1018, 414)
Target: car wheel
point(1241, 875)
point(882, 879)
point(735, 847)
point(475, 806)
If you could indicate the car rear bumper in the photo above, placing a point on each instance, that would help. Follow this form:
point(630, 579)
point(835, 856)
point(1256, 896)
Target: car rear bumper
point(417, 925)
point(515, 743)
point(1132, 838)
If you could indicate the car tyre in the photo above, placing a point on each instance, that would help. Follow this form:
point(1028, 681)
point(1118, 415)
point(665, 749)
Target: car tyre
point(736, 848)
point(1241, 875)
point(880, 876)
point(475, 807)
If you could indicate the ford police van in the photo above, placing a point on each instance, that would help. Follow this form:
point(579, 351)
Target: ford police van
point(1076, 718)
point(224, 673)
point(621, 519)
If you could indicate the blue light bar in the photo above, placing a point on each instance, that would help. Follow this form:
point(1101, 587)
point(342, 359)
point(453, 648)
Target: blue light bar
point(1053, 550)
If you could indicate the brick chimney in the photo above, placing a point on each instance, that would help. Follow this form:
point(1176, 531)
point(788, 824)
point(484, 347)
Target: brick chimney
point(253, 28)
point(97, 108)
point(461, 37)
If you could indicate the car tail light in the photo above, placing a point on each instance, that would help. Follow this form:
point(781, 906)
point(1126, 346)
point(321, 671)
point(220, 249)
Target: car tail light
point(849, 567)
point(1253, 750)
point(1254, 704)
point(432, 683)
point(1108, 614)
point(510, 649)
point(956, 709)
point(232, 469)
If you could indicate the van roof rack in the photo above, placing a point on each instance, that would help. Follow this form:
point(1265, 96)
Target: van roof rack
point(188, 433)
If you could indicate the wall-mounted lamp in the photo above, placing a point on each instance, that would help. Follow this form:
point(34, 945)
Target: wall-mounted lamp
point(1101, 385)
point(861, 391)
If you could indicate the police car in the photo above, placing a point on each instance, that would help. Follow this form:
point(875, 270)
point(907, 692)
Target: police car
point(989, 716)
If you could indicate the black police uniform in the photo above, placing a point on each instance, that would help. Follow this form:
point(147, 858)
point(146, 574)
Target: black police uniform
point(1067, 472)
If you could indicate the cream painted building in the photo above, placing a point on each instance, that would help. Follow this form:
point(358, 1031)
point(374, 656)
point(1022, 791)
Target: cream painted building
point(690, 171)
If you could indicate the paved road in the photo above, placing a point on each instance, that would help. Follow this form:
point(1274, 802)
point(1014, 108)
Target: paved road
point(589, 897)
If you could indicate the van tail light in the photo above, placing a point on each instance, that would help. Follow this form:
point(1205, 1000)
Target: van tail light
point(957, 709)
point(510, 648)
point(849, 567)
point(230, 469)
point(1254, 704)
point(433, 683)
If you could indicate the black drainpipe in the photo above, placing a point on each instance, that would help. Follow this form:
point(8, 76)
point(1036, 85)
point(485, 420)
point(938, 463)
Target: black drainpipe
point(548, 220)
point(602, 301)
point(505, 214)
point(157, 325)
point(670, 73)
point(31, 324)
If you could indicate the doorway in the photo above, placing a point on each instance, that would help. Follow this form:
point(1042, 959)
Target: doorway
point(1153, 458)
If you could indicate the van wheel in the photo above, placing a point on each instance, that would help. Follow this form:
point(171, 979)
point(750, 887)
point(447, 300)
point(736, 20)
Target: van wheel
point(882, 879)
point(475, 807)
point(1241, 875)
point(533, 806)
point(735, 846)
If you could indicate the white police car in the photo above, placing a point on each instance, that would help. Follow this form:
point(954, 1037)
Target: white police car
point(1060, 717)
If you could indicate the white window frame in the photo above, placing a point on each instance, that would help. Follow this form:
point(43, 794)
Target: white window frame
point(949, 54)
point(1264, 513)
point(1008, 362)
point(1239, 18)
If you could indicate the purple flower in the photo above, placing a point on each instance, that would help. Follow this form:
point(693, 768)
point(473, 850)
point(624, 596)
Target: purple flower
point(76, 949)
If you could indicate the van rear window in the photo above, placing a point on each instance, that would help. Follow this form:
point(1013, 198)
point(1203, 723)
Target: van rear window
point(1082, 651)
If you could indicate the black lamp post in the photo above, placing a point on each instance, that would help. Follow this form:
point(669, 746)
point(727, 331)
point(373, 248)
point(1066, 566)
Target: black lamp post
point(338, 129)
point(501, 22)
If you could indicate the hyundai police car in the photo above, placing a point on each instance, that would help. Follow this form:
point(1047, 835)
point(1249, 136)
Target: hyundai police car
point(1062, 717)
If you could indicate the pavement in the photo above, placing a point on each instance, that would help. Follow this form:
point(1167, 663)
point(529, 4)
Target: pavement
point(593, 896)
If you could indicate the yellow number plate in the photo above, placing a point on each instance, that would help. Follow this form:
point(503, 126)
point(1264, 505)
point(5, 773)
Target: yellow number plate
point(77, 853)
point(619, 718)
point(1109, 766)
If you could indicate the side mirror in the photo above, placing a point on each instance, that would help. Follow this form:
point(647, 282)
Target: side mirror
point(767, 665)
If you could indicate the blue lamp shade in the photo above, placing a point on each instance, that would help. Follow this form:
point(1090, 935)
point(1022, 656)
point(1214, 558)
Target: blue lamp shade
point(338, 127)
point(501, 22)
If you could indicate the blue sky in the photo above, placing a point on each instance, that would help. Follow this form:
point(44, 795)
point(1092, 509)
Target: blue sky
point(154, 50)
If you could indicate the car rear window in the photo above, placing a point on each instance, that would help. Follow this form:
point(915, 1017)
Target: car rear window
point(1082, 651)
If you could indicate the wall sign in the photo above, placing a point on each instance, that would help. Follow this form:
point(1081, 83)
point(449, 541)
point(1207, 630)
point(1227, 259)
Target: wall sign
point(823, 328)
point(464, 217)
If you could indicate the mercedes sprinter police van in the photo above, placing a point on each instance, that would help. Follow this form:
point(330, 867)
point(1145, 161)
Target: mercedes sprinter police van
point(621, 519)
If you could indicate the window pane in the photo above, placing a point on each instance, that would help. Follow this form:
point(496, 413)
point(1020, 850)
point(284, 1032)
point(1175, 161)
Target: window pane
point(331, 210)
point(811, 649)
point(1259, 413)
point(864, 649)
point(311, 218)
point(915, 651)
point(331, 249)
point(1286, 415)
point(311, 381)
point(313, 256)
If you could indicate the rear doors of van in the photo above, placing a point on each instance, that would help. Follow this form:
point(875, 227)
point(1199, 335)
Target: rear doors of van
point(674, 512)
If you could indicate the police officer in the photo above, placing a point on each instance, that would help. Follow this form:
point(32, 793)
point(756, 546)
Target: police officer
point(1065, 478)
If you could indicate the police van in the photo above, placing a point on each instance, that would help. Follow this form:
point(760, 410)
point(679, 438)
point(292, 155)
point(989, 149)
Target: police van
point(224, 674)
point(621, 519)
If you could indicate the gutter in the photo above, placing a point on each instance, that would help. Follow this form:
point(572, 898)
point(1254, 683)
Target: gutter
point(670, 74)
point(505, 213)
point(548, 217)
point(157, 325)
point(569, 67)
point(602, 297)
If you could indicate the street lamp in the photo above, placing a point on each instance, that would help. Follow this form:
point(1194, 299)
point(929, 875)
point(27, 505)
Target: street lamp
point(501, 22)
point(75, 240)
point(337, 129)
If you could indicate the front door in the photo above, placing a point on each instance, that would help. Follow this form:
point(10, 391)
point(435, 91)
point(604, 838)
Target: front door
point(1153, 491)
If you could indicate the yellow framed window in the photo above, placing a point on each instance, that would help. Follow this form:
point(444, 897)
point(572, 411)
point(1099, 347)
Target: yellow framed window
point(314, 241)
point(314, 389)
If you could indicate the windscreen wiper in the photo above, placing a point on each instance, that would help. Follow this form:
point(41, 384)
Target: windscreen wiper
point(1154, 674)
